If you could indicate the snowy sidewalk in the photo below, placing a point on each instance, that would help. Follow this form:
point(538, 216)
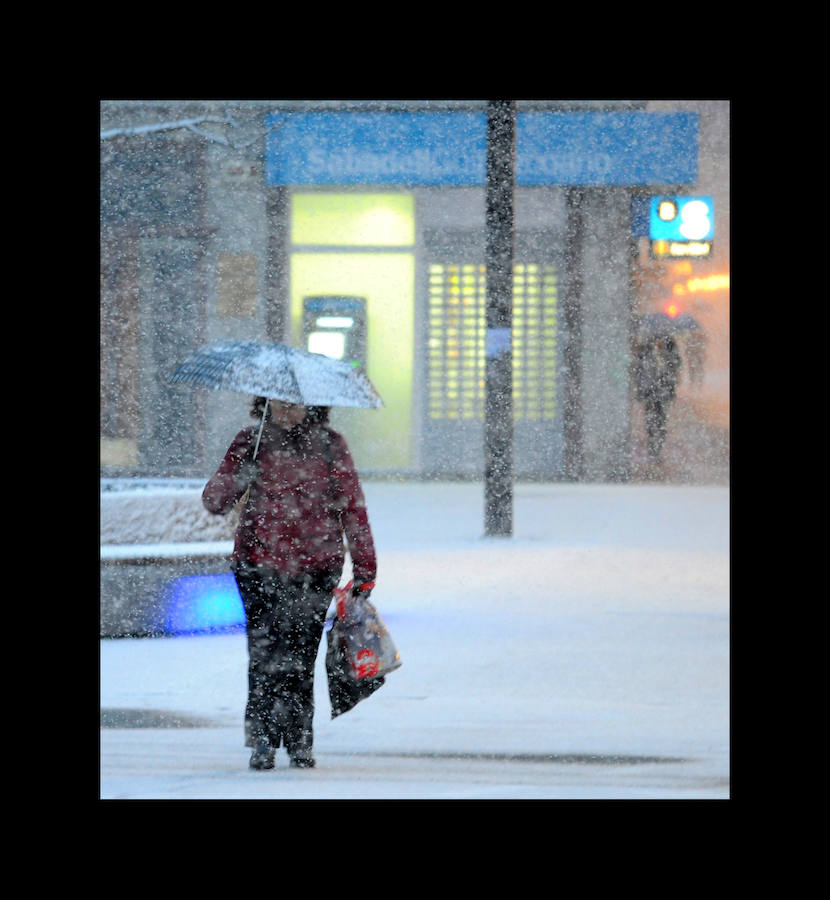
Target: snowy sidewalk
point(585, 657)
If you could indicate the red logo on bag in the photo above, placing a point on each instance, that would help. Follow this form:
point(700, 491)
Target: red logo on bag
point(367, 664)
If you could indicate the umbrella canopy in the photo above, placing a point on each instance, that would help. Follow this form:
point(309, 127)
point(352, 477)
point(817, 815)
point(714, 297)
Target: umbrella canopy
point(278, 372)
point(657, 325)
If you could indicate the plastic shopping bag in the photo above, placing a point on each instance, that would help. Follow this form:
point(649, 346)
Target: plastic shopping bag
point(360, 651)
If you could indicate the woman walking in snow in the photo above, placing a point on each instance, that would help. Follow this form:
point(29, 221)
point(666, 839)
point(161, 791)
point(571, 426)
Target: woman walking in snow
point(305, 497)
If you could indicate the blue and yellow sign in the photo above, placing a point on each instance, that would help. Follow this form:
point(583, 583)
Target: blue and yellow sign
point(681, 226)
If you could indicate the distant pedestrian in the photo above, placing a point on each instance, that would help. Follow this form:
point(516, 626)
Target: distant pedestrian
point(657, 372)
point(305, 497)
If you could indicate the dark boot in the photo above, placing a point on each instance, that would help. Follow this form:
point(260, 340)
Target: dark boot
point(262, 757)
point(303, 760)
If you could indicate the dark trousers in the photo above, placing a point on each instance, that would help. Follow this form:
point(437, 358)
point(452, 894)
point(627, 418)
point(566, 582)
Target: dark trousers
point(656, 417)
point(285, 619)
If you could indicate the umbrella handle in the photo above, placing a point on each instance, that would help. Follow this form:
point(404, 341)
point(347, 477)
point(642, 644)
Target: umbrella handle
point(247, 494)
point(261, 427)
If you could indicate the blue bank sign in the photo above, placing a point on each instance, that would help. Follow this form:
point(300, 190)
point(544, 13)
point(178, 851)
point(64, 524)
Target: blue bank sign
point(425, 148)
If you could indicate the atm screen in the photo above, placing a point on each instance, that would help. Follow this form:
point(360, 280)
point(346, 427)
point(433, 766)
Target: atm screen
point(329, 343)
point(336, 326)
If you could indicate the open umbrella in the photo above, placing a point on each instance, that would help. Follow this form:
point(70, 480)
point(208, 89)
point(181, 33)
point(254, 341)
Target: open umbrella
point(278, 372)
point(657, 325)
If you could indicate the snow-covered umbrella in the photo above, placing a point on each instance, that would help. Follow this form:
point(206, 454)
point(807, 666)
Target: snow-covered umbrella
point(278, 372)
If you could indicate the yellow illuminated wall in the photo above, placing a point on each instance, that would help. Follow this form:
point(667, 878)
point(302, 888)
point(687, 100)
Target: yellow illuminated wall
point(456, 343)
point(353, 220)
point(323, 222)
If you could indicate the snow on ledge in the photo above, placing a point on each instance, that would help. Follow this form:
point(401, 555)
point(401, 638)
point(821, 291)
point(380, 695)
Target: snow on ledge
point(121, 552)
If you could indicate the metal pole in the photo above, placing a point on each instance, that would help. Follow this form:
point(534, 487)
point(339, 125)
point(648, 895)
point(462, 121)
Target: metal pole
point(498, 416)
point(573, 453)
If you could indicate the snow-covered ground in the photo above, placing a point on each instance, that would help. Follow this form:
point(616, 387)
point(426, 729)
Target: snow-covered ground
point(587, 657)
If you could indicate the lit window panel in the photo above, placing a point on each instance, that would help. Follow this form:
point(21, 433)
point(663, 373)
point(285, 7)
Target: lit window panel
point(457, 337)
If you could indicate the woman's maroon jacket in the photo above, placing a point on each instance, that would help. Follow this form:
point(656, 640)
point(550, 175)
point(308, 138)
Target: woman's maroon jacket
point(305, 499)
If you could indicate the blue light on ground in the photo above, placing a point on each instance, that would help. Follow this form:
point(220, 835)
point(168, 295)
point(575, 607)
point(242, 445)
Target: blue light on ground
point(199, 603)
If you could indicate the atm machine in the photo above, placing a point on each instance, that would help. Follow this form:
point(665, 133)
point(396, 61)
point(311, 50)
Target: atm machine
point(336, 326)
